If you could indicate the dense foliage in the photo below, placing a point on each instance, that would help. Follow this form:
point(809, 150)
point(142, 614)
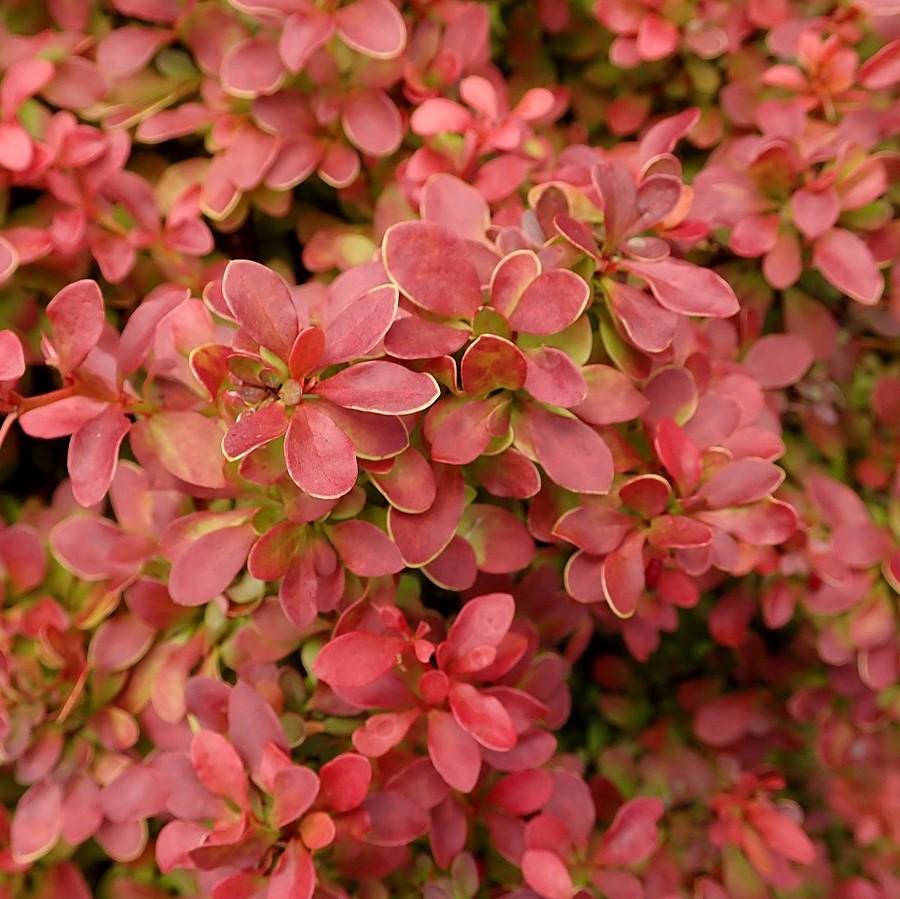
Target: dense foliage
point(450, 449)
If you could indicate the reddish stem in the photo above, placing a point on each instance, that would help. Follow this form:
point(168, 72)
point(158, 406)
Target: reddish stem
point(26, 403)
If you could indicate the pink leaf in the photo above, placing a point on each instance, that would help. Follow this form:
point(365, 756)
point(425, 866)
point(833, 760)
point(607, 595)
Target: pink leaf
point(848, 264)
point(779, 360)
point(320, 457)
point(365, 549)
point(301, 35)
point(218, 766)
point(449, 201)
point(16, 148)
point(572, 453)
point(454, 754)
point(882, 69)
point(685, 288)
point(137, 793)
point(372, 122)
point(128, 49)
point(94, 454)
point(815, 211)
point(260, 301)
point(432, 267)
point(76, 314)
point(356, 659)
point(37, 822)
point(252, 67)
point(374, 28)
point(252, 724)
point(12, 358)
point(382, 387)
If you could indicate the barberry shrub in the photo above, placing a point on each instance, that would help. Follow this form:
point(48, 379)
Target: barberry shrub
point(449, 449)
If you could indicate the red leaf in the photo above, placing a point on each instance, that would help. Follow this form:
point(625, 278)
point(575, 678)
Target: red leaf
point(210, 564)
point(766, 523)
point(685, 288)
point(483, 621)
point(137, 793)
point(490, 363)
point(76, 314)
point(678, 454)
point(294, 876)
point(345, 781)
point(646, 324)
point(356, 659)
point(550, 303)
point(678, 532)
point(483, 717)
point(611, 397)
point(254, 429)
point(294, 790)
point(782, 834)
point(320, 457)
point(421, 538)
point(454, 754)
point(381, 387)
point(365, 549)
point(741, 482)
point(189, 446)
point(632, 837)
point(847, 263)
point(94, 454)
point(432, 267)
point(218, 766)
point(252, 724)
point(546, 874)
point(37, 822)
point(357, 329)
point(553, 378)
point(261, 303)
point(573, 454)
point(622, 576)
point(409, 485)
